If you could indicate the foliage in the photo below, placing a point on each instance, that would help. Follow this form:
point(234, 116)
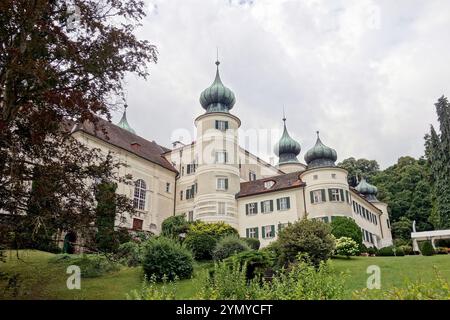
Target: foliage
point(346, 227)
point(302, 282)
point(408, 250)
point(152, 290)
point(253, 243)
point(60, 67)
point(406, 188)
point(305, 236)
point(215, 229)
point(390, 252)
point(437, 289)
point(426, 248)
point(173, 226)
point(346, 247)
point(358, 169)
point(401, 230)
point(441, 250)
point(106, 238)
point(437, 150)
point(164, 257)
point(201, 245)
point(129, 254)
point(372, 251)
point(255, 263)
point(91, 265)
point(228, 246)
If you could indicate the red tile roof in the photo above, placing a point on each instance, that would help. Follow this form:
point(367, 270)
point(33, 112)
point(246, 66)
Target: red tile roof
point(282, 182)
point(148, 150)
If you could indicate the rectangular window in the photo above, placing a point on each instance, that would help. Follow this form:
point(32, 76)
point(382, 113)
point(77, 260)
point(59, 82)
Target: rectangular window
point(335, 194)
point(189, 193)
point(268, 232)
point(191, 216)
point(354, 206)
point(251, 176)
point(167, 187)
point(222, 183)
point(347, 196)
point(221, 157)
point(266, 206)
point(283, 203)
point(190, 168)
point(251, 208)
point(221, 125)
point(252, 233)
point(181, 195)
point(318, 196)
point(221, 208)
point(137, 224)
point(388, 223)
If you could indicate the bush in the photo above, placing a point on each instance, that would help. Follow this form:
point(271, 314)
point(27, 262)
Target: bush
point(215, 229)
point(173, 226)
point(91, 265)
point(346, 247)
point(441, 250)
point(201, 244)
point(165, 257)
point(129, 254)
point(346, 227)
point(390, 252)
point(228, 246)
point(252, 243)
point(363, 249)
point(254, 262)
point(408, 250)
point(372, 251)
point(305, 236)
point(427, 249)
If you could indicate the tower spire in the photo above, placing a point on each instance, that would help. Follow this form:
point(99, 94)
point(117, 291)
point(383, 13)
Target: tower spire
point(123, 123)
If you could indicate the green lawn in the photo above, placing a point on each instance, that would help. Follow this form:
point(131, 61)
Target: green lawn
point(39, 279)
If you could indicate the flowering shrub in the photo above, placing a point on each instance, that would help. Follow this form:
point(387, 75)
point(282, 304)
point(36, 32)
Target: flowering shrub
point(346, 246)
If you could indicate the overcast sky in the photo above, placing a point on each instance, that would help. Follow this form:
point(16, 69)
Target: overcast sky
point(365, 73)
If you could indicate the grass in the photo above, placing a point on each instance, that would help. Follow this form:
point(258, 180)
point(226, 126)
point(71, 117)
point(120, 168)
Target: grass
point(39, 279)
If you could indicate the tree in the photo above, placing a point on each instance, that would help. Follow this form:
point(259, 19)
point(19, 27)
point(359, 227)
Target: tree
point(346, 246)
point(401, 229)
point(61, 65)
point(437, 150)
point(173, 226)
point(106, 239)
point(346, 227)
point(359, 168)
point(305, 236)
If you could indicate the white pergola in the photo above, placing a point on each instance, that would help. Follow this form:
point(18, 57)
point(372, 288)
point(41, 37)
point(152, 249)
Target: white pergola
point(428, 236)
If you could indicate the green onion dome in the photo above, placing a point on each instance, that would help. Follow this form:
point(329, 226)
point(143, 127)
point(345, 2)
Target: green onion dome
point(320, 155)
point(368, 190)
point(123, 123)
point(287, 149)
point(217, 98)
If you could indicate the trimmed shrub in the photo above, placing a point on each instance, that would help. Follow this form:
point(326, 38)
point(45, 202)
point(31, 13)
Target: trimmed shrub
point(346, 227)
point(252, 243)
point(201, 245)
point(390, 252)
point(427, 249)
point(345, 246)
point(305, 236)
point(163, 257)
point(129, 254)
point(173, 226)
point(215, 229)
point(254, 262)
point(372, 251)
point(228, 246)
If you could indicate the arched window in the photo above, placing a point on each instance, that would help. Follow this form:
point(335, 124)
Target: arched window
point(139, 194)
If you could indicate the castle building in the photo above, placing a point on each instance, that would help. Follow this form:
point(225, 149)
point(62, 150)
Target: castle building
point(214, 179)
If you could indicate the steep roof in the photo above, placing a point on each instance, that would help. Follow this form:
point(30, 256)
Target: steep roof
point(121, 138)
point(282, 182)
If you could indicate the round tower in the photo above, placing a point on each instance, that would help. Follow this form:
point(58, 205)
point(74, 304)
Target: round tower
point(327, 191)
point(287, 150)
point(217, 175)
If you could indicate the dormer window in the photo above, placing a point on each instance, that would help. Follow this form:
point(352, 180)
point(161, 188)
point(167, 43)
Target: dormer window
point(269, 184)
point(135, 146)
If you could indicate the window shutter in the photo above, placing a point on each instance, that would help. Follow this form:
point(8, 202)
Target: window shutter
point(256, 207)
point(217, 124)
point(288, 202)
point(246, 210)
point(262, 206)
point(342, 194)
point(312, 196)
point(279, 227)
point(330, 194)
point(247, 233)
point(278, 204)
point(324, 198)
point(256, 233)
point(263, 230)
point(272, 231)
point(347, 197)
point(226, 125)
point(226, 157)
point(271, 205)
point(226, 184)
point(181, 195)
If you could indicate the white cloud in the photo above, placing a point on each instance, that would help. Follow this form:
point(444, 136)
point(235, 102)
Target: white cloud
point(365, 73)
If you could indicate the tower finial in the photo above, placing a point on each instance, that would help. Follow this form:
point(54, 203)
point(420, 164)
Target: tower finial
point(317, 132)
point(217, 57)
point(284, 116)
